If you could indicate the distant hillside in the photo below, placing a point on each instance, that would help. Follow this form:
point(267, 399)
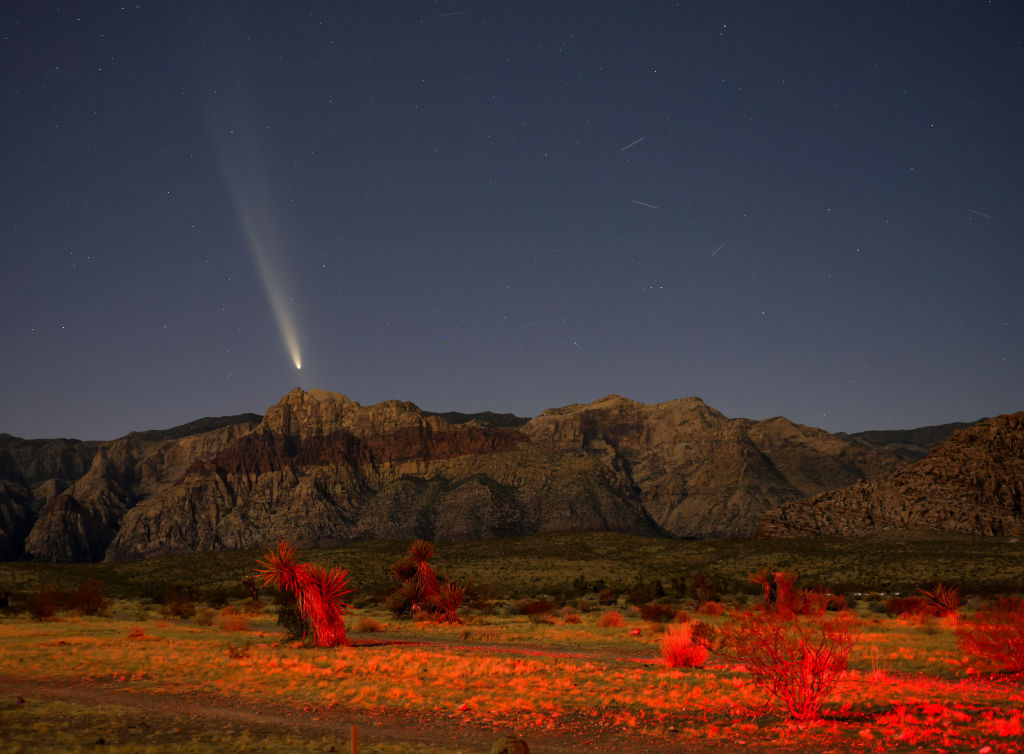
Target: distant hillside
point(908, 443)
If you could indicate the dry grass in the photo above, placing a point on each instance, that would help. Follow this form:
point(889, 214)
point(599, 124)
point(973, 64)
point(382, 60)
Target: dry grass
point(907, 683)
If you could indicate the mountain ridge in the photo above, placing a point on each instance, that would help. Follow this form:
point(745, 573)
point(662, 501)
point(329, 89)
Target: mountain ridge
point(321, 469)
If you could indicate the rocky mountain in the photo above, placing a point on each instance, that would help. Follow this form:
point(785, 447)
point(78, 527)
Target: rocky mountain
point(698, 473)
point(78, 522)
point(320, 469)
point(973, 482)
point(32, 472)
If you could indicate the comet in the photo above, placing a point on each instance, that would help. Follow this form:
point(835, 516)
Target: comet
point(248, 180)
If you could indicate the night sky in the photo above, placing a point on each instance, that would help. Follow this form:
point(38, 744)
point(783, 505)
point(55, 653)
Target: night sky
point(813, 210)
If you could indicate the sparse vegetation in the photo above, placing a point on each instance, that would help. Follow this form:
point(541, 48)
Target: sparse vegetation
point(905, 680)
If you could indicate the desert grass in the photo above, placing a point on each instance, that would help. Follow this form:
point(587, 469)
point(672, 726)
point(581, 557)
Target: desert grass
point(908, 686)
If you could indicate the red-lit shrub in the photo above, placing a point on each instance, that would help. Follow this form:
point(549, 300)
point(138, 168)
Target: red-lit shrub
point(711, 608)
point(796, 659)
point(232, 620)
point(678, 648)
point(783, 597)
point(318, 592)
point(908, 607)
point(571, 618)
point(611, 619)
point(994, 636)
point(368, 625)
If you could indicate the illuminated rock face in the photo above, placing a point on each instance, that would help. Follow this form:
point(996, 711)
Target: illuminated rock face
point(700, 474)
point(320, 469)
point(972, 483)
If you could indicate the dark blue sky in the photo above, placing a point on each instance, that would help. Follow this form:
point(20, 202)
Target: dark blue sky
point(807, 209)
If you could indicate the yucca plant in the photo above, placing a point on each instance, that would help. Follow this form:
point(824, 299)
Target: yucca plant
point(419, 591)
point(447, 601)
point(318, 592)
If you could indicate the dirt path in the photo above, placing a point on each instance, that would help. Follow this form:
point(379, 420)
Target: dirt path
point(194, 715)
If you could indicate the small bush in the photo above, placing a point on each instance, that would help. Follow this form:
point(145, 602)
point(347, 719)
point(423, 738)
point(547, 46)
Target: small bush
point(571, 618)
point(657, 612)
point(908, 607)
point(611, 619)
point(536, 610)
point(641, 594)
point(206, 616)
point(994, 636)
point(368, 625)
point(711, 608)
point(584, 606)
point(179, 602)
point(681, 616)
point(295, 625)
point(704, 633)
point(88, 598)
point(232, 620)
point(679, 650)
point(607, 597)
point(42, 604)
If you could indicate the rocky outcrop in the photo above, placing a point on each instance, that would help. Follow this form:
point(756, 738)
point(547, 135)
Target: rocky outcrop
point(971, 483)
point(322, 469)
point(698, 473)
point(80, 522)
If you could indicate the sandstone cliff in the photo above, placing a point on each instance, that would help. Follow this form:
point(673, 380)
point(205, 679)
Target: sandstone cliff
point(698, 473)
point(971, 483)
point(322, 469)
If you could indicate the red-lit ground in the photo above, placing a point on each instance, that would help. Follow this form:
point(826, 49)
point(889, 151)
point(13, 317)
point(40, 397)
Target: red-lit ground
point(422, 687)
